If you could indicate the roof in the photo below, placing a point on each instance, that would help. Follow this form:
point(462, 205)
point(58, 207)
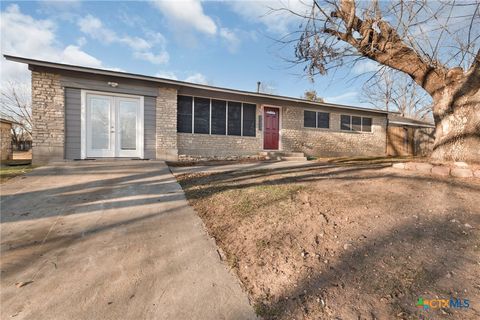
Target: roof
point(399, 120)
point(4, 120)
point(105, 72)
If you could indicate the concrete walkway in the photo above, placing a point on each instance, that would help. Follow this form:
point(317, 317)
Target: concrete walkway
point(109, 240)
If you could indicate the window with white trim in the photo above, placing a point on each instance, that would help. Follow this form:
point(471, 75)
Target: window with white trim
point(355, 123)
point(211, 116)
point(316, 119)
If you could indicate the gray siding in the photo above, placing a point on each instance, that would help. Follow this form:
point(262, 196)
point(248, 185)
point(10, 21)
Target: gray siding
point(149, 114)
point(100, 83)
point(72, 123)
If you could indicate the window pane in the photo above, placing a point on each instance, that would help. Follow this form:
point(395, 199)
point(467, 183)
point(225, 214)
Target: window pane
point(184, 114)
point(219, 112)
point(357, 123)
point(201, 122)
point(309, 119)
point(249, 119)
point(323, 120)
point(234, 118)
point(345, 122)
point(100, 119)
point(367, 124)
point(128, 124)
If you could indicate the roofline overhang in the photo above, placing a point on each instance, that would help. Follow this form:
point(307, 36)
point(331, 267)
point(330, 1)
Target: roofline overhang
point(426, 125)
point(54, 65)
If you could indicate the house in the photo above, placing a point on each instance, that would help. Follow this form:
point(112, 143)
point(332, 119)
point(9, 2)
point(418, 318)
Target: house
point(6, 138)
point(409, 137)
point(81, 113)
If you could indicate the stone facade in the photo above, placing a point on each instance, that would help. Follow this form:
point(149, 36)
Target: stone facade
point(423, 141)
point(166, 124)
point(49, 130)
point(193, 145)
point(6, 140)
point(331, 142)
point(48, 114)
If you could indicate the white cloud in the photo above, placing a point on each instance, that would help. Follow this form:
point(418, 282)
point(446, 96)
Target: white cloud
point(233, 42)
point(347, 98)
point(143, 49)
point(38, 41)
point(197, 78)
point(81, 41)
point(189, 12)
point(364, 66)
point(267, 12)
point(166, 75)
point(187, 15)
point(72, 54)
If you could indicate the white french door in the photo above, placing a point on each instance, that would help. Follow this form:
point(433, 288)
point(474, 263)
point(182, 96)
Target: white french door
point(113, 125)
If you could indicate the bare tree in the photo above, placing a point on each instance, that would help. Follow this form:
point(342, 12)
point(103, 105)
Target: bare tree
point(268, 87)
point(394, 91)
point(312, 95)
point(435, 43)
point(16, 104)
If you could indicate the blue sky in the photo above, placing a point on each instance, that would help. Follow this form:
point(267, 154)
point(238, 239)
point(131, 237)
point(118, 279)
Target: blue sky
point(221, 43)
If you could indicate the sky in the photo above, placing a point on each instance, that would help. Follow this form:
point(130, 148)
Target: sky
point(230, 44)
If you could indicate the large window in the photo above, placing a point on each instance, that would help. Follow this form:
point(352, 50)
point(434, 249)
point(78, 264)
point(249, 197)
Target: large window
point(367, 124)
point(314, 119)
point(201, 115)
point(219, 117)
point(234, 119)
point(184, 116)
point(210, 116)
point(249, 114)
point(353, 123)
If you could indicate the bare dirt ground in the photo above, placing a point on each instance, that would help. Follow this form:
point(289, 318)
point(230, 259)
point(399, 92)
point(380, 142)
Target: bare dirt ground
point(345, 242)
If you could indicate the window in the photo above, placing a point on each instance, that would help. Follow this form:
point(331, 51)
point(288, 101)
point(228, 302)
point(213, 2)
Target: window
point(184, 117)
point(219, 117)
point(323, 120)
point(234, 118)
point(367, 124)
point(345, 122)
point(249, 119)
point(313, 119)
point(353, 123)
point(201, 115)
point(356, 124)
point(210, 116)
point(309, 120)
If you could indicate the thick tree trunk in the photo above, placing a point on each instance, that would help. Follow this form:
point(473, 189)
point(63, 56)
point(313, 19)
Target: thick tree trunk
point(456, 112)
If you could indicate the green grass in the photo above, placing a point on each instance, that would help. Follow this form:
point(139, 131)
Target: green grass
point(9, 172)
point(256, 197)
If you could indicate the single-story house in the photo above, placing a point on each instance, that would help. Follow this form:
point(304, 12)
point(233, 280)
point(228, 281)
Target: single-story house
point(6, 138)
point(82, 113)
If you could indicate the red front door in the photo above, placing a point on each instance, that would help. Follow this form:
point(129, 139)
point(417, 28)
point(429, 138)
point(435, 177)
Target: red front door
point(270, 134)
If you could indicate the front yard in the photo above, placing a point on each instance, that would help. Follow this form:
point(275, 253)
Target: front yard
point(345, 242)
point(9, 172)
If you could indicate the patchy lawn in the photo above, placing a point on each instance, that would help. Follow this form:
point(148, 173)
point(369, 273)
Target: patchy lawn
point(9, 172)
point(349, 242)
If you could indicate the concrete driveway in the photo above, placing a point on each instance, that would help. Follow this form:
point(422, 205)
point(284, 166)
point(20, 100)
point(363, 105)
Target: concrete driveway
point(109, 240)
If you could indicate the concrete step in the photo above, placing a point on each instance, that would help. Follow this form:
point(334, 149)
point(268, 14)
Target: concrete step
point(293, 158)
point(280, 154)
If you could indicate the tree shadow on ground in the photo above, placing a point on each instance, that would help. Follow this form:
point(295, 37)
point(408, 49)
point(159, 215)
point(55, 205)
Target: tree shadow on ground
point(379, 277)
point(384, 277)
